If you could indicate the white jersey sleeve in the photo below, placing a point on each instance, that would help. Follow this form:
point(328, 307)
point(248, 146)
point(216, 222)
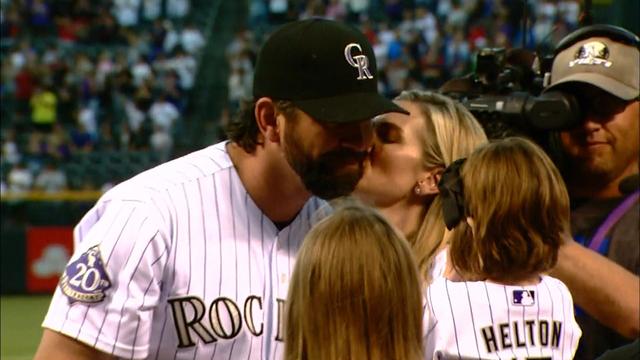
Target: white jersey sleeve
point(484, 320)
point(180, 263)
point(123, 254)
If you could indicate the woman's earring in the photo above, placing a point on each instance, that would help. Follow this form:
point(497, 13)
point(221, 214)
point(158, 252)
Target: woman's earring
point(417, 190)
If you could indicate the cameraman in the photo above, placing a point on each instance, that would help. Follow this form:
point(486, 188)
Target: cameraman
point(599, 65)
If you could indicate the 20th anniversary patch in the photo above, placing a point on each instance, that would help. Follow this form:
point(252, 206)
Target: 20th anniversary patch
point(85, 279)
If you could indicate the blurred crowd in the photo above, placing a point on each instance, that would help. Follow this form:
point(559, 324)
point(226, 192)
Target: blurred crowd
point(418, 44)
point(83, 76)
point(80, 76)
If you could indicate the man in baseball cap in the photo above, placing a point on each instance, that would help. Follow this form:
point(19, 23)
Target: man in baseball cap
point(202, 247)
point(604, 59)
point(315, 91)
point(325, 68)
point(599, 65)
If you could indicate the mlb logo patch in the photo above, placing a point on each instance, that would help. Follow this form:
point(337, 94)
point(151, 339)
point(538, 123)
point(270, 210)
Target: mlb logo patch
point(524, 297)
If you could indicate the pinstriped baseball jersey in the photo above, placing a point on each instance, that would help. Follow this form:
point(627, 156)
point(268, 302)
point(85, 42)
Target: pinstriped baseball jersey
point(485, 320)
point(179, 263)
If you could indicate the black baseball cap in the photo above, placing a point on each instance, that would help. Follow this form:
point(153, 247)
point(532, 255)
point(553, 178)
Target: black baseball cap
point(325, 68)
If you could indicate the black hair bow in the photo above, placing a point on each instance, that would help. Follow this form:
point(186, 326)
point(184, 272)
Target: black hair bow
point(451, 191)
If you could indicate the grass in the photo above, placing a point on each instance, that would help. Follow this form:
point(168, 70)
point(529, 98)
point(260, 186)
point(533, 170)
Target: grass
point(20, 319)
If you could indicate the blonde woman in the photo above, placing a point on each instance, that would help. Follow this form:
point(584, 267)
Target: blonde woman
point(508, 208)
point(407, 159)
point(355, 292)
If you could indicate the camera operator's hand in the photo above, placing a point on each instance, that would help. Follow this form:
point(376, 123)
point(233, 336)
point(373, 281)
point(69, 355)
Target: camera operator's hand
point(604, 289)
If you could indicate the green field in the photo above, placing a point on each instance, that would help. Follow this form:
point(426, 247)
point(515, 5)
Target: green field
point(20, 317)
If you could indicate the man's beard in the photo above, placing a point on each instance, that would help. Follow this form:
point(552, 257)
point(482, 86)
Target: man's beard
point(324, 176)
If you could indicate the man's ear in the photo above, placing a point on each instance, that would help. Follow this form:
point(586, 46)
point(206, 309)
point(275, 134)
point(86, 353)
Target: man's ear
point(428, 184)
point(266, 119)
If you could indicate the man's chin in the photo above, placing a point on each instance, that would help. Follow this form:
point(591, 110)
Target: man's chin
point(333, 187)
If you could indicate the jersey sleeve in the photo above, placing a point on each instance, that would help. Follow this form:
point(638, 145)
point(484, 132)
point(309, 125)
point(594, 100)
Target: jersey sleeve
point(573, 332)
point(109, 290)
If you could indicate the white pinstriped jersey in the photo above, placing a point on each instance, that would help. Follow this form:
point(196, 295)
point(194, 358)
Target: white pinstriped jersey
point(485, 320)
point(179, 263)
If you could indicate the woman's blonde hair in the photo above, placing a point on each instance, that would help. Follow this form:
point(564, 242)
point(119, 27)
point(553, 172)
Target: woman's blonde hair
point(519, 206)
point(355, 292)
point(451, 133)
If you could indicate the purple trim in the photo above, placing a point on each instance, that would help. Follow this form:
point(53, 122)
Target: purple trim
point(612, 219)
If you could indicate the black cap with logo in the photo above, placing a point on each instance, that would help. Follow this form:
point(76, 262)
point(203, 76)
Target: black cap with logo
point(325, 68)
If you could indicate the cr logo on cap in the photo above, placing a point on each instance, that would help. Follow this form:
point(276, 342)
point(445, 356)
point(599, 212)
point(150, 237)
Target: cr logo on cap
point(359, 61)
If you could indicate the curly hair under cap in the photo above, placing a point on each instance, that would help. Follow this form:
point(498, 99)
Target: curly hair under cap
point(243, 129)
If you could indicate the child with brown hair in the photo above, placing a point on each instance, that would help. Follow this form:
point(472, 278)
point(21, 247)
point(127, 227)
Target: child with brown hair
point(355, 292)
point(508, 207)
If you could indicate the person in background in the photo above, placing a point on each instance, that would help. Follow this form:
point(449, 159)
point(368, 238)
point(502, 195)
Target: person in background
point(355, 291)
point(51, 178)
point(599, 66)
point(20, 178)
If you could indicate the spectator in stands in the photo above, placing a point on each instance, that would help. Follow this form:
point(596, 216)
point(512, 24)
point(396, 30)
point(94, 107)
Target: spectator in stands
point(23, 54)
point(20, 178)
point(457, 54)
point(126, 12)
point(11, 23)
point(88, 120)
point(157, 34)
point(107, 140)
point(67, 100)
point(105, 30)
point(58, 144)
point(135, 120)
point(313, 8)
point(185, 65)
point(569, 11)
point(40, 14)
point(394, 10)
point(191, 38)
point(10, 152)
point(44, 104)
point(151, 10)
point(163, 114)
point(104, 67)
point(168, 34)
point(171, 88)
point(51, 178)
point(161, 143)
point(67, 31)
point(24, 87)
point(278, 10)
point(177, 9)
point(357, 10)
point(336, 10)
point(257, 13)
point(239, 86)
point(141, 71)
point(81, 139)
point(427, 24)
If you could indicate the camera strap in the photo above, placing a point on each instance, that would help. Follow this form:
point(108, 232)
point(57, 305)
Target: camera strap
point(612, 219)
